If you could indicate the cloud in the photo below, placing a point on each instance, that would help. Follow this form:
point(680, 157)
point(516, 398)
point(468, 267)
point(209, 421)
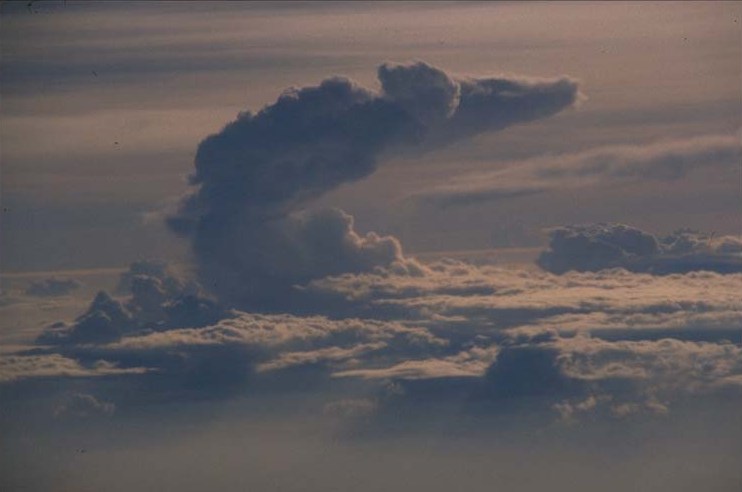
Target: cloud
point(664, 365)
point(284, 332)
point(252, 177)
point(574, 378)
point(631, 343)
point(52, 287)
point(158, 301)
point(459, 301)
point(594, 247)
point(303, 301)
point(462, 194)
point(81, 405)
point(226, 355)
point(426, 93)
point(155, 269)
point(470, 363)
point(530, 369)
point(260, 273)
point(315, 138)
point(660, 161)
point(582, 377)
point(105, 320)
point(19, 367)
point(351, 408)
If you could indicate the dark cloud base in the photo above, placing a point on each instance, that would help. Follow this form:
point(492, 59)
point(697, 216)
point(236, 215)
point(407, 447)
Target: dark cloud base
point(595, 247)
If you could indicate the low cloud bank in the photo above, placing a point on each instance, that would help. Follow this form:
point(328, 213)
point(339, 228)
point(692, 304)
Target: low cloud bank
point(52, 287)
point(595, 247)
point(158, 301)
point(606, 344)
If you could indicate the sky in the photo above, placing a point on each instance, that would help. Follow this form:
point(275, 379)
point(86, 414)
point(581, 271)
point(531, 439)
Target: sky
point(371, 246)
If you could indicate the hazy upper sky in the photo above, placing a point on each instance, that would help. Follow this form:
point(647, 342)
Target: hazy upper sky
point(371, 246)
point(104, 104)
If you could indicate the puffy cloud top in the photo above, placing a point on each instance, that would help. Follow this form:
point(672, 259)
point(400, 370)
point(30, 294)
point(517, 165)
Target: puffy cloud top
point(595, 247)
point(313, 139)
point(251, 241)
point(428, 94)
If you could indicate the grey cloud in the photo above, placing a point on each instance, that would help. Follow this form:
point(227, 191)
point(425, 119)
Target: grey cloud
point(471, 363)
point(351, 408)
point(575, 378)
point(105, 320)
point(158, 301)
point(155, 269)
point(52, 286)
point(284, 332)
point(454, 195)
point(462, 300)
point(529, 371)
point(429, 95)
point(662, 161)
point(255, 174)
point(268, 350)
point(496, 103)
point(315, 138)
point(323, 356)
point(16, 367)
point(688, 241)
point(492, 337)
point(594, 247)
point(260, 273)
point(82, 405)
point(664, 365)
point(582, 376)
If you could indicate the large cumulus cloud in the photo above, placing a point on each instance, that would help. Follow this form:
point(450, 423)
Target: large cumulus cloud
point(256, 264)
point(315, 138)
point(255, 174)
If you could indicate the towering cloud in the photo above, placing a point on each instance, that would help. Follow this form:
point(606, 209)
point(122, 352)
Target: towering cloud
point(255, 174)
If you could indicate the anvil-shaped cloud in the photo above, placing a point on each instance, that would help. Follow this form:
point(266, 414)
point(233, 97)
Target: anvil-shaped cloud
point(254, 175)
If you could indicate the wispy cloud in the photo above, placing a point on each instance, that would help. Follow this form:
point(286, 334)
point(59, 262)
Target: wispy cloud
point(661, 161)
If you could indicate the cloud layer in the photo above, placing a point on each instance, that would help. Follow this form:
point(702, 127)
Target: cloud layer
point(660, 161)
point(52, 287)
point(606, 344)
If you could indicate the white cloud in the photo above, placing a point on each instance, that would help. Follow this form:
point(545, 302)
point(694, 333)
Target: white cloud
point(18, 367)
